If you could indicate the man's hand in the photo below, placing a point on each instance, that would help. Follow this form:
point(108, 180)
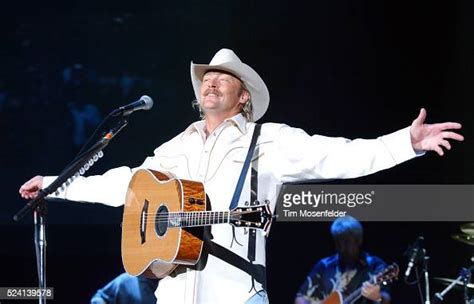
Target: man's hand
point(371, 291)
point(30, 189)
point(432, 137)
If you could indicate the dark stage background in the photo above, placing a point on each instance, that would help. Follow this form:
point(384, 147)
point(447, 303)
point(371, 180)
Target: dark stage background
point(336, 68)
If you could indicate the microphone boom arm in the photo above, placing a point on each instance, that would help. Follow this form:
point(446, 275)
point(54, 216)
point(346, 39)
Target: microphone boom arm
point(69, 172)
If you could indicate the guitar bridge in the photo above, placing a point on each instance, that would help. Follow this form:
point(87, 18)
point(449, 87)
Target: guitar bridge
point(143, 216)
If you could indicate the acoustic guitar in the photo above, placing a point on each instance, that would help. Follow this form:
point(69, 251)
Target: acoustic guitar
point(164, 220)
point(386, 276)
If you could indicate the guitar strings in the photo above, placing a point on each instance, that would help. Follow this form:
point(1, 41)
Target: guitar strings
point(201, 216)
point(187, 217)
point(148, 215)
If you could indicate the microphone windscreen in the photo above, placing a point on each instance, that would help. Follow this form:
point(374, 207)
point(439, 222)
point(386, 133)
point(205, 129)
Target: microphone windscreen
point(148, 102)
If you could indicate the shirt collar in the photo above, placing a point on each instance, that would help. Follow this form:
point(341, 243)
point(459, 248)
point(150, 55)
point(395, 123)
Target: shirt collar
point(238, 120)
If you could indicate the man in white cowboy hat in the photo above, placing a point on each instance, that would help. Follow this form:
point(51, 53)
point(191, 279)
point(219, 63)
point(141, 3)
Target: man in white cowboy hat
point(231, 97)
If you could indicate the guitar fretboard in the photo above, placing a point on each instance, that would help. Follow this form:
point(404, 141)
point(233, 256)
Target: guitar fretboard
point(198, 218)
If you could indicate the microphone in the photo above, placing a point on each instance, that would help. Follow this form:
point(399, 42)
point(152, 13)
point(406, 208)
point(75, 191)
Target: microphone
point(144, 103)
point(413, 252)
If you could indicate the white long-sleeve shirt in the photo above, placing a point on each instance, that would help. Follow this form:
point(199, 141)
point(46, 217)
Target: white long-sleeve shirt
point(284, 154)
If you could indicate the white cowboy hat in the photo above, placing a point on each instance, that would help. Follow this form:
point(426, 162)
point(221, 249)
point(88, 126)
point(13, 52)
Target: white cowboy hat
point(227, 60)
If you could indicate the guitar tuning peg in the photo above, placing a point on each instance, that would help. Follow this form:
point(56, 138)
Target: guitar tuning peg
point(86, 166)
point(91, 162)
point(95, 157)
point(100, 154)
point(82, 171)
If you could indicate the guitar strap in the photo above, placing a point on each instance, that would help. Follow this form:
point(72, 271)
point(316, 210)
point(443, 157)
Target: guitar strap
point(253, 202)
point(240, 184)
point(256, 271)
point(360, 277)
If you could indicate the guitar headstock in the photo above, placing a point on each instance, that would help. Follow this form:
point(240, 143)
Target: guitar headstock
point(388, 274)
point(252, 216)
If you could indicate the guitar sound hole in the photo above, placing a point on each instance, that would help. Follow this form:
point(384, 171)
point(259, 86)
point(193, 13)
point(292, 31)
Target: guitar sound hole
point(161, 220)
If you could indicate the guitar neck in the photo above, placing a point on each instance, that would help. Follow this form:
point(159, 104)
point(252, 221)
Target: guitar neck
point(198, 218)
point(355, 295)
point(386, 276)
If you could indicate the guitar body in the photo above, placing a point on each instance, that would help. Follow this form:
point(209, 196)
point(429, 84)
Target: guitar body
point(334, 298)
point(149, 245)
point(386, 276)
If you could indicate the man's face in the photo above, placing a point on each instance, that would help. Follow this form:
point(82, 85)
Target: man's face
point(222, 93)
point(348, 247)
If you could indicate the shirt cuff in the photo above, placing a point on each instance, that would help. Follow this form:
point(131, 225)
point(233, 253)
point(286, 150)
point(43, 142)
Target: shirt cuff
point(400, 146)
point(48, 180)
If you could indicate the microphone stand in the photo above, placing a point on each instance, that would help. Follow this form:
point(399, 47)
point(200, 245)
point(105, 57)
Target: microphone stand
point(419, 256)
point(464, 276)
point(40, 249)
point(465, 279)
point(425, 271)
point(39, 207)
